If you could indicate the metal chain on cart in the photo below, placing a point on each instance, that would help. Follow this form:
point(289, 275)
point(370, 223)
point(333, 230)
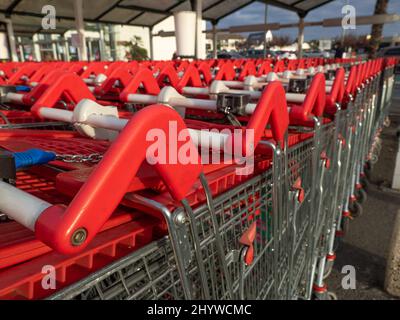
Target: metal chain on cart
point(80, 158)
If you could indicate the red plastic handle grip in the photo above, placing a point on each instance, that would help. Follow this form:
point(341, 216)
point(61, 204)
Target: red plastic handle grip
point(314, 103)
point(122, 74)
point(226, 72)
point(27, 70)
point(145, 77)
point(204, 69)
point(191, 78)
point(94, 68)
point(351, 81)
point(265, 68)
point(68, 86)
point(337, 92)
point(168, 73)
point(249, 69)
point(271, 109)
point(108, 183)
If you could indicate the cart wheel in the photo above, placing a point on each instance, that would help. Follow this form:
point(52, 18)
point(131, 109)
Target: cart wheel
point(355, 209)
point(361, 196)
point(332, 295)
point(374, 158)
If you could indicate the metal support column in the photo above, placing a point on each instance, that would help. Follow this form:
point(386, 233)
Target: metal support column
point(66, 48)
point(102, 45)
point(151, 53)
point(90, 53)
point(300, 38)
point(113, 42)
point(214, 39)
point(265, 30)
point(36, 48)
point(11, 40)
point(55, 51)
point(199, 18)
point(80, 28)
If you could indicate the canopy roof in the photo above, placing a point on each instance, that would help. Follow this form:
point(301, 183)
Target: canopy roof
point(26, 15)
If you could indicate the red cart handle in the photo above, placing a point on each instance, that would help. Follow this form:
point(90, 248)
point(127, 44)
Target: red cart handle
point(314, 103)
point(142, 77)
point(168, 73)
point(249, 69)
point(68, 86)
point(337, 92)
point(191, 78)
point(63, 227)
point(226, 72)
point(204, 69)
point(122, 74)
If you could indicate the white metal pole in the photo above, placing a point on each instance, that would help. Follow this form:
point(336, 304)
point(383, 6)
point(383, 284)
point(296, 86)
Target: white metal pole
point(80, 28)
point(11, 40)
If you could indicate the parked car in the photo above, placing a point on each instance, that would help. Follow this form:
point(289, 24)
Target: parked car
point(391, 52)
point(317, 54)
point(229, 55)
point(287, 55)
point(259, 53)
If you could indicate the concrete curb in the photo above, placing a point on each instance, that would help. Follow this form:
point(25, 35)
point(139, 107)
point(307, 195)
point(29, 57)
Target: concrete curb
point(392, 278)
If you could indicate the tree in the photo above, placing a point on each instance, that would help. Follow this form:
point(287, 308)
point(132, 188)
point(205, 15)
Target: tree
point(376, 32)
point(280, 41)
point(352, 41)
point(135, 51)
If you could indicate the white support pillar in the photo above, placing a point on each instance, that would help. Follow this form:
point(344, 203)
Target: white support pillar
point(66, 49)
point(80, 28)
point(11, 40)
point(55, 51)
point(90, 53)
point(214, 39)
point(36, 48)
point(21, 50)
point(300, 38)
point(102, 45)
point(151, 53)
point(199, 19)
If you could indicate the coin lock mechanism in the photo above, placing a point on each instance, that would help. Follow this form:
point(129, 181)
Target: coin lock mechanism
point(299, 85)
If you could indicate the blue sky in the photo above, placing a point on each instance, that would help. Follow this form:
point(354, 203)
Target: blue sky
point(254, 14)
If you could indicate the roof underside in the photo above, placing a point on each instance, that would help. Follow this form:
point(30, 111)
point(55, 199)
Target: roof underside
point(27, 14)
